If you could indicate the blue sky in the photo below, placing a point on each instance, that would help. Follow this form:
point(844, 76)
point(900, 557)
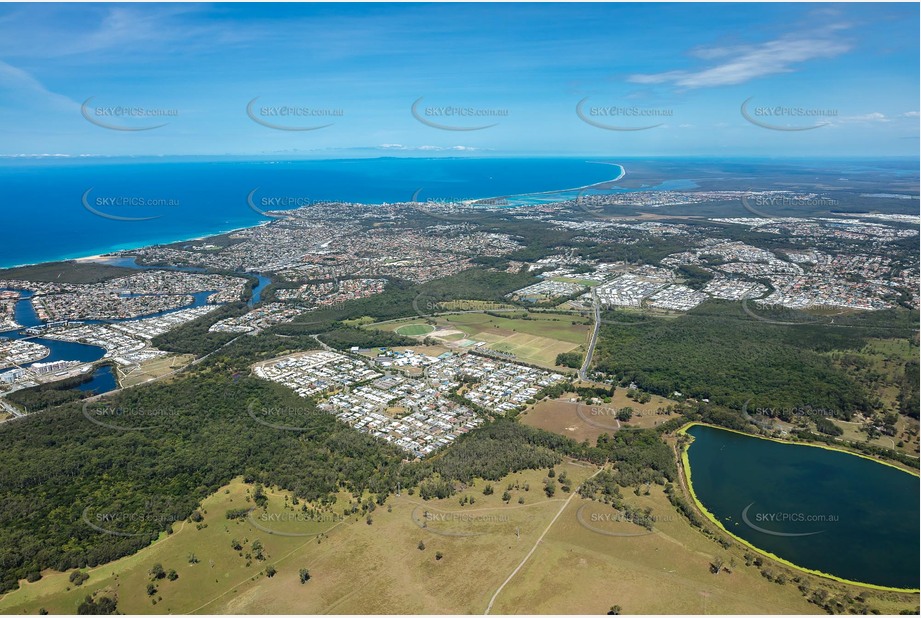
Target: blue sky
point(684, 70)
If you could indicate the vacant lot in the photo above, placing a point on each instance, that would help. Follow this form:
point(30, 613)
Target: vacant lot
point(537, 340)
point(153, 369)
point(581, 421)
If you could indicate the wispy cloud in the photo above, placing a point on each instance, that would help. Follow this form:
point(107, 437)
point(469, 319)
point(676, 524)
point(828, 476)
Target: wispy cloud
point(742, 63)
point(18, 82)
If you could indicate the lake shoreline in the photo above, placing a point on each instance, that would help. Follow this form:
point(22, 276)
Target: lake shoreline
point(686, 469)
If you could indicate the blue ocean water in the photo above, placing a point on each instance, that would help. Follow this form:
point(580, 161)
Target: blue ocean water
point(65, 208)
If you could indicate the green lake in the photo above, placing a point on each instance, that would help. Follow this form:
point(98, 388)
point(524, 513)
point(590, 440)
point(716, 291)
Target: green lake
point(819, 509)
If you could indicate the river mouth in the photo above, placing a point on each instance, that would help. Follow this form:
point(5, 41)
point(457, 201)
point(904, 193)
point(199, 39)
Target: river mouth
point(818, 510)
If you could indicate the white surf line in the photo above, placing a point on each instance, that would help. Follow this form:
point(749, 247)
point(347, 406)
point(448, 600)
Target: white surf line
point(623, 172)
point(537, 542)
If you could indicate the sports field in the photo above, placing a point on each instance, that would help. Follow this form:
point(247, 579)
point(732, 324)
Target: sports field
point(413, 330)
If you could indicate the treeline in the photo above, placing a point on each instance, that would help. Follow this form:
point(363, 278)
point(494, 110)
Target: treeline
point(573, 360)
point(52, 394)
point(909, 402)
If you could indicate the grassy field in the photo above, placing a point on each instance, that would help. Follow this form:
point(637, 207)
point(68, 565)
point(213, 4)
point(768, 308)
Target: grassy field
point(590, 283)
point(152, 369)
point(581, 421)
point(413, 330)
point(537, 340)
point(666, 572)
point(586, 561)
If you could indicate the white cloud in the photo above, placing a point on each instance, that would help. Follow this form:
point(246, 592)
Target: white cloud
point(427, 148)
point(19, 82)
point(870, 117)
point(739, 64)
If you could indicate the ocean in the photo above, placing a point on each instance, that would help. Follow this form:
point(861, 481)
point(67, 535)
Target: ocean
point(56, 209)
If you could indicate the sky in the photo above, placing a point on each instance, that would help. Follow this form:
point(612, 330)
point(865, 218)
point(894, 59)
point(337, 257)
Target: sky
point(352, 80)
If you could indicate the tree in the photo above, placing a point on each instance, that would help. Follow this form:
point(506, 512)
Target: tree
point(550, 488)
point(151, 589)
point(614, 611)
point(717, 565)
point(103, 606)
point(172, 575)
point(439, 555)
point(506, 497)
point(421, 546)
point(270, 571)
point(488, 490)
point(157, 572)
point(193, 559)
point(625, 414)
point(305, 576)
point(78, 577)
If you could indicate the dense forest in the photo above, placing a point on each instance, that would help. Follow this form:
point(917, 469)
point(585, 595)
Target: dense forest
point(195, 435)
point(719, 353)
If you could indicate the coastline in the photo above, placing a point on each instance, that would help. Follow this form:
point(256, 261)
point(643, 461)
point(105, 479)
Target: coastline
point(108, 254)
point(98, 257)
point(623, 172)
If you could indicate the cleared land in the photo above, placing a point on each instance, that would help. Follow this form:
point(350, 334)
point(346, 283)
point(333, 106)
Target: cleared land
point(536, 340)
point(581, 421)
point(153, 369)
point(587, 562)
point(666, 572)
